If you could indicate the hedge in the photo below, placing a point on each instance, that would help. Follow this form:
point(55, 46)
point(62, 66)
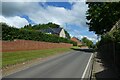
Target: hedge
point(11, 33)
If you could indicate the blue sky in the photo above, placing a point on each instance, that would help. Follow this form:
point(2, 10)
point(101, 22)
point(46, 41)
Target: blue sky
point(69, 15)
point(28, 19)
point(66, 5)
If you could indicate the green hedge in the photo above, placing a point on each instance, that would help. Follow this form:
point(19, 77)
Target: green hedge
point(110, 37)
point(11, 33)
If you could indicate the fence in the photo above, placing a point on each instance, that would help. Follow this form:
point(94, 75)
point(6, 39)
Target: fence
point(110, 51)
point(22, 45)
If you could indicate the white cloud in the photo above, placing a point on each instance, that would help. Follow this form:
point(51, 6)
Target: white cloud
point(80, 35)
point(10, 9)
point(14, 21)
point(71, 1)
point(39, 14)
point(23, 0)
point(94, 39)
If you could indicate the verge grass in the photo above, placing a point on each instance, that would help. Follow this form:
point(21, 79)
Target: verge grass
point(11, 58)
point(75, 47)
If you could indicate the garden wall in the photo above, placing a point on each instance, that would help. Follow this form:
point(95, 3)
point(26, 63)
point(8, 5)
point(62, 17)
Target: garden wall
point(22, 45)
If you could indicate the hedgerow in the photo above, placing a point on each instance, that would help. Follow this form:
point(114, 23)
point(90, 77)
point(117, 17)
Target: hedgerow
point(11, 33)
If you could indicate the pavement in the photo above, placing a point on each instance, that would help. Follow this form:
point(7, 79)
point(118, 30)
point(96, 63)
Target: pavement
point(101, 72)
point(69, 65)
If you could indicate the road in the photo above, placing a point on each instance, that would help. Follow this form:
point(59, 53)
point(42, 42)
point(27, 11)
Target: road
point(68, 65)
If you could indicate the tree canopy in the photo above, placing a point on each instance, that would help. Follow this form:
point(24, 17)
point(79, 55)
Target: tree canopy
point(41, 26)
point(102, 16)
point(44, 26)
point(87, 42)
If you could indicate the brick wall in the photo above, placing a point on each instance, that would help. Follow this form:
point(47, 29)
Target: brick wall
point(22, 45)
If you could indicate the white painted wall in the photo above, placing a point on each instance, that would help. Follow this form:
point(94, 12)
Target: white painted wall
point(62, 33)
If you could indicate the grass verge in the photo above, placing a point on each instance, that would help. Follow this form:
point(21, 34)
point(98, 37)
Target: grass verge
point(11, 58)
point(75, 47)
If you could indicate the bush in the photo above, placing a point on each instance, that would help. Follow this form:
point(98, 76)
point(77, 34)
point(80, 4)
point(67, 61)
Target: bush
point(11, 33)
point(107, 38)
point(116, 35)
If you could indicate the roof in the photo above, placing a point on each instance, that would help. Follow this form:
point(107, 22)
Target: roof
point(75, 39)
point(51, 30)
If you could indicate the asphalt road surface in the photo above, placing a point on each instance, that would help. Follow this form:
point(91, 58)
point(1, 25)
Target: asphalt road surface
point(68, 65)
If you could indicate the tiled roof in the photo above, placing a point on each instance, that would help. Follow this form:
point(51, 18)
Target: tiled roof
point(51, 30)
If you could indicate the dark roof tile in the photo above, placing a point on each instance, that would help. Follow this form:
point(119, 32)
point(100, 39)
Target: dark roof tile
point(51, 30)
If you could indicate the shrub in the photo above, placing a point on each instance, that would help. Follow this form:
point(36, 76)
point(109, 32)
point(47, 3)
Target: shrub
point(11, 33)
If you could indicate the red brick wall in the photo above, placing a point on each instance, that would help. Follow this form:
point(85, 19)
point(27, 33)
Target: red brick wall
point(22, 45)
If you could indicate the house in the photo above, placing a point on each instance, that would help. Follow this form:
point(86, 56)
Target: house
point(56, 31)
point(79, 43)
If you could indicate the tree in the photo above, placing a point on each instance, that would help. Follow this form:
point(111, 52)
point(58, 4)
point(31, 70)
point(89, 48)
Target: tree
point(88, 42)
point(28, 26)
point(44, 26)
point(102, 16)
point(67, 35)
point(41, 26)
point(10, 33)
point(53, 25)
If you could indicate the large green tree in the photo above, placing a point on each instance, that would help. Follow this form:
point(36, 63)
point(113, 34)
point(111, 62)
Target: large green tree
point(41, 26)
point(87, 42)
point(44, 26)
point(67, 34)
point(102, 16)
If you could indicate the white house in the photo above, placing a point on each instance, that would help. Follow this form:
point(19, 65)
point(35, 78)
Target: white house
point(56, 31)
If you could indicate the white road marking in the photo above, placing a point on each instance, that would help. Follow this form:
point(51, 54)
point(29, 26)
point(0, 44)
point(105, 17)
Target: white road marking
point(83, 76)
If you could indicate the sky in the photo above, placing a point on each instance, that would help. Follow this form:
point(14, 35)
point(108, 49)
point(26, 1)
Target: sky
point(69, 15)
